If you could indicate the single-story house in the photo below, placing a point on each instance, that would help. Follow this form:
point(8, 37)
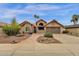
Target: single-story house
point(42, 26)
point(73, 28)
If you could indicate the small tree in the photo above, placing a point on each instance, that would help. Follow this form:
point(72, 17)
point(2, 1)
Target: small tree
point(12, 29)
point(14, 22)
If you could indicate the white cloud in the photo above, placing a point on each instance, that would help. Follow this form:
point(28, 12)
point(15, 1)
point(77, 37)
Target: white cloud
point(35, 9)
point(8, 13)
point(42, 7)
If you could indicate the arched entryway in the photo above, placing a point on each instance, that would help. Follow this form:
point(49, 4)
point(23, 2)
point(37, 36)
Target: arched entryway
point(41, 26)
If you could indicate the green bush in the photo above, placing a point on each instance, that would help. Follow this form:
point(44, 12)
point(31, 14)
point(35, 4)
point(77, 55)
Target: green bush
point(12, 29)
point(65, 31)
point(48, 35)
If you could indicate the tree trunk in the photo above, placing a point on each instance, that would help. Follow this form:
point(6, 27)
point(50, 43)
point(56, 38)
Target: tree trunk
point(75, 22)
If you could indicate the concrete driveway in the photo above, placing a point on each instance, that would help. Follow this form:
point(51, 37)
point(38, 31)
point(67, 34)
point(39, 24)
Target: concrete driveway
point(69, 47)
point(66, 39)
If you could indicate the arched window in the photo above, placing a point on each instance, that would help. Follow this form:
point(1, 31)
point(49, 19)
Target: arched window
point(41, 24)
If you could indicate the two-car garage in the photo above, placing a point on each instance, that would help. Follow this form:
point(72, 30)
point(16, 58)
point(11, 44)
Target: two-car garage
point(53, 29)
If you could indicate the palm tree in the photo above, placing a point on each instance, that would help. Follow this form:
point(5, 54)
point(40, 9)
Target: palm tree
point(75, 19)
point(36, 17)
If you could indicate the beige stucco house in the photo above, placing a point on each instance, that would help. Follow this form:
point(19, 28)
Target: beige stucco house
point(42, 26)
point(73, 28)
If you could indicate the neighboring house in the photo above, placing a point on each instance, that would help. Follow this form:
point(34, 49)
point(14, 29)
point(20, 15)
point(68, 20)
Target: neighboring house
point(1, 25)
point(73, 28)
point(42, 26)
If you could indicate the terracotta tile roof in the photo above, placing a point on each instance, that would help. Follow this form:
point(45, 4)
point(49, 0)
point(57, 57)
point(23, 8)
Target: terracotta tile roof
point(25, 22)
point(41, 20)
point(56, 22)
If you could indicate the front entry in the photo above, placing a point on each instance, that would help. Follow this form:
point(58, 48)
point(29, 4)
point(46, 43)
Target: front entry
point(41, 27)
point(35, 30)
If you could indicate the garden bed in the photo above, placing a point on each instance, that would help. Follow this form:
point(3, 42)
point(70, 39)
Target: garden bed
point(46, 40)
point(13, 39)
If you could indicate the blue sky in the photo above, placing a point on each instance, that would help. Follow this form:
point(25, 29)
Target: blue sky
point(62, 12)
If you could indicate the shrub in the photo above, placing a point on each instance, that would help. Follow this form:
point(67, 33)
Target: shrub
point(12, 29)
point(9, 30)
point(65, 31)
point(48, 35)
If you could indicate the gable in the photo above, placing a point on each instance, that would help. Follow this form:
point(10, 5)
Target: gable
point(25, 23)
point(54, 24)
point(41, 21)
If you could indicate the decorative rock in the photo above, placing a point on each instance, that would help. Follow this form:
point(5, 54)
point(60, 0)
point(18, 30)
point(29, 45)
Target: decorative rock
point(46, 40)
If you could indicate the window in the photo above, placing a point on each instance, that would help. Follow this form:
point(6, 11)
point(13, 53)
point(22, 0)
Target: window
point(41, 24)
point(27, 29)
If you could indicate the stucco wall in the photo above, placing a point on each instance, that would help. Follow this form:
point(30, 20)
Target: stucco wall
point(41, 22)
point(43, 25)
point(23, 28)
point(54, 24)
point(73, 30)
point(62, 29)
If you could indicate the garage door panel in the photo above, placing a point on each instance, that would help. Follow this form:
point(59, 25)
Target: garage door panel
point(53, 29)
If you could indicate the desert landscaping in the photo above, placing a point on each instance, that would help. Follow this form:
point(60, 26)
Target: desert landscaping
point(25, 39)
point(39, 30)
point(30, 46)
point(13, 39)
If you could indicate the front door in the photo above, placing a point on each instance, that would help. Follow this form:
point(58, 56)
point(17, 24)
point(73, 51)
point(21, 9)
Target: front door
point(35, 30)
